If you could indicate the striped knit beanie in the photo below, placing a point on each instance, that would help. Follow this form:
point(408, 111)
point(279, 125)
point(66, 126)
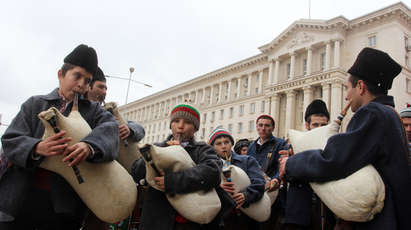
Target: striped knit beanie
point(406, 112)
point(186, 112)
point(219, 132)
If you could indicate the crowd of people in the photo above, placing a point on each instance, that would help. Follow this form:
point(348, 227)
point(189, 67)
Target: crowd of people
point(35, 198)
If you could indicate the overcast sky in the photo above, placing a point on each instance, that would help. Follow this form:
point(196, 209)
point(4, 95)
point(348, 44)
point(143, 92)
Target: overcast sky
point(167, 42)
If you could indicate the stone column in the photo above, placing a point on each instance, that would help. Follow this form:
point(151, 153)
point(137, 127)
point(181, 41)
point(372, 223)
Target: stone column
point(220, 91)
point(271, 71)
point(308, 98)
point(337, 53)
point(336, 99)
point(195, 97)
point(203, 96)
point(292, 66)
point(275, 110)
point(238, 87)
point(326, 94)
point(309, 60)
point(327, 55)
point(290, 111)
point(249, 84)
point(277, 71)
point(211, 94)
point(229, 90)
point(260, 81)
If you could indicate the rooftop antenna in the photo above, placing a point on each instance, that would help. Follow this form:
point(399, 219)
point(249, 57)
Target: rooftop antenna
point(309, 9)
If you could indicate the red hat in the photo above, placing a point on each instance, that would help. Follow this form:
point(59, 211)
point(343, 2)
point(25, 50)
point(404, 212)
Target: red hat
point(265, 116)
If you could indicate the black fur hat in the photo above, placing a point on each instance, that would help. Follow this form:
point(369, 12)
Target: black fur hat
point(375, 67)
point(83, 56)
point(316, 107)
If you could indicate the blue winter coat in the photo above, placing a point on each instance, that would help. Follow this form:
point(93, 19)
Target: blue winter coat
point(373, 136)
point(259, 152)
point(255, 190)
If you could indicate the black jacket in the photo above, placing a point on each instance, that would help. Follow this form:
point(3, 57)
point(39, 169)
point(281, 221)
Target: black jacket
point(373, 136)
point(157, 212)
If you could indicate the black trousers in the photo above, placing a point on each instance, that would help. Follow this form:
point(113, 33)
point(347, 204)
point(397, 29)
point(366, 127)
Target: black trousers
point(38, 213)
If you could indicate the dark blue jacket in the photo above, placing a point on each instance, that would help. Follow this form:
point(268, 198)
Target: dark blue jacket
point(26, 131)
point(373, 136)
point(137, 131)
point(259, 152)
point(255, 190)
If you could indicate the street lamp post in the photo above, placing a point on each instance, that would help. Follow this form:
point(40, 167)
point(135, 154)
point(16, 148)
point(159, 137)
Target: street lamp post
point(129, 80)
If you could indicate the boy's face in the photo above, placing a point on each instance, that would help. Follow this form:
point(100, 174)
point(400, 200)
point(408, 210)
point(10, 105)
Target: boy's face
point(75, 80)
point(316, 121)
point(222, 146)
point(182, 129)
point(98, 91)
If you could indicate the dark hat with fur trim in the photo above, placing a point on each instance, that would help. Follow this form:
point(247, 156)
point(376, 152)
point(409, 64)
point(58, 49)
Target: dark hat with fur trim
point(316, 107)
point(240, 144)
point(83, 56)
point(98, 76)
point(376, 67)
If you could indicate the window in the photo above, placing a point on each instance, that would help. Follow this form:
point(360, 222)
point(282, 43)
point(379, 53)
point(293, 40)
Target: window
point(159, 126)
point(211, 129)
point(288, 70)
point(240, 127)
point(165, 125)
point(149, 129)
point(230, 128)
point(222, 114)
point(372, 41)
point(204, 117)
point(212, 116)
point(252, 108)
point(322, 62)
point(305, 67)
point(250, 126)
point(202, 133)
point(262, 106)
point(241, 112)
point(154, 128)
point(231, 112)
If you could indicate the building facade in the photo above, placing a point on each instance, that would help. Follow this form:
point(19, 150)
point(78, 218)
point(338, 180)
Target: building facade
point(306, 61)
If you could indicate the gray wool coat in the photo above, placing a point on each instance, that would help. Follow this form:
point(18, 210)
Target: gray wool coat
point(25, 132)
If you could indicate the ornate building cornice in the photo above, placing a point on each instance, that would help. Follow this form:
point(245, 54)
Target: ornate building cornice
point(339, 23)
point(329, 77)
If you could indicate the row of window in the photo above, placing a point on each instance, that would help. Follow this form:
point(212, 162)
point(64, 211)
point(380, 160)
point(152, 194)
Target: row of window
point(252, 109)
point(163, 126)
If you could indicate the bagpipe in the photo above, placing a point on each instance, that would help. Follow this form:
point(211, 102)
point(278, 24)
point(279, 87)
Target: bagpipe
point(357, 197)
point(106, 188)
point(128, 152)
point(200, 206)
point(260, 210)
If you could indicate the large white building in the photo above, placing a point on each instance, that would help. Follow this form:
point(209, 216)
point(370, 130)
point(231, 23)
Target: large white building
point(306, 61)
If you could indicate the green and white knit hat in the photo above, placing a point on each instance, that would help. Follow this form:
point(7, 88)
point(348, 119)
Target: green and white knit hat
point(186, 112)
point(219, 132)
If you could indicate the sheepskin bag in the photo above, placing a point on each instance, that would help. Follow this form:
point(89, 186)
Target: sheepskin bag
point(200, 206)
point(357, 197)
point(108, 189)
point(128, 151)
point(260, 210)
